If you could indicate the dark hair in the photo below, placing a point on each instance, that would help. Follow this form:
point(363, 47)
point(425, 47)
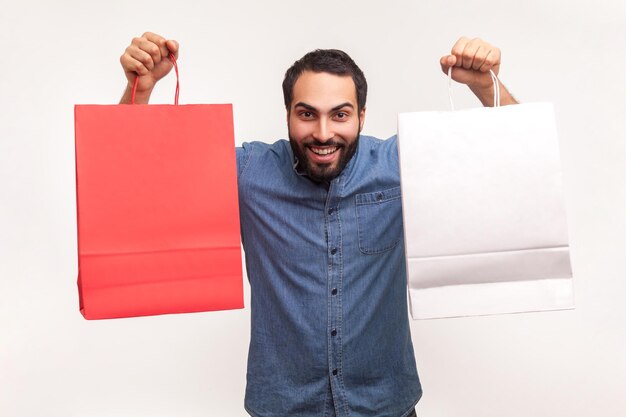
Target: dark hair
point(332, 61)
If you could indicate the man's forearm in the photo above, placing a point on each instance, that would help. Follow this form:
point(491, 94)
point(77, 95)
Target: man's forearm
point(485, 96)
point(140, 97)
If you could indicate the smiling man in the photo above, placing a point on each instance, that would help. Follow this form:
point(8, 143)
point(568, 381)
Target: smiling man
point(321, 224)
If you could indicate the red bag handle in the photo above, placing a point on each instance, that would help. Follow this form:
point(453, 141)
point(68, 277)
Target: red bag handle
point(173, 59)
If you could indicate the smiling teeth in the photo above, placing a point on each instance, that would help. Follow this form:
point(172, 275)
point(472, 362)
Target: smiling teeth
point(324, 151)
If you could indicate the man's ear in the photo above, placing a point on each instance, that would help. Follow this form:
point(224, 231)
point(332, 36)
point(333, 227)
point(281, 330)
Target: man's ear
point(361, 118)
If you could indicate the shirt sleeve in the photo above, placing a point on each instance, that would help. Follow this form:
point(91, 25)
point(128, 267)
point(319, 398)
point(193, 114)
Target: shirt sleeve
point(243, 154)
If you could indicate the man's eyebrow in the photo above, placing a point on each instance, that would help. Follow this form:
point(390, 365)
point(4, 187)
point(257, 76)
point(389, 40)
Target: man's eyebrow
point(341, 106)
point(306, 106)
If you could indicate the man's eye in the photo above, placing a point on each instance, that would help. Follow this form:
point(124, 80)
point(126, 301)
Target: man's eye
point(341, 115)
point(306, 114)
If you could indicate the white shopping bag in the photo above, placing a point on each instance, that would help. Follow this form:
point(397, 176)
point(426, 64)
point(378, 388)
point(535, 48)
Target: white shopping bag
point(484, 219)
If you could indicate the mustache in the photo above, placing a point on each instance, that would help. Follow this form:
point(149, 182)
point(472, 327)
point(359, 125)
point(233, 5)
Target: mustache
point(322, 144)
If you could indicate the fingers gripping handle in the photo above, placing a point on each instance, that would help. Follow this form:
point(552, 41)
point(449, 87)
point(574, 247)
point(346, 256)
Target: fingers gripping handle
point(496, 88)
point(173, 59)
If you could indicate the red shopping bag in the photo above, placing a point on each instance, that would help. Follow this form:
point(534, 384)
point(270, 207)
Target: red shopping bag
point(157, 207)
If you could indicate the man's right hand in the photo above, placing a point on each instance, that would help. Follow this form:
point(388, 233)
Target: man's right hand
point(147, 58)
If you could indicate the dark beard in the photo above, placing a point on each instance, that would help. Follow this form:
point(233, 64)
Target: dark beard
point(321, 173)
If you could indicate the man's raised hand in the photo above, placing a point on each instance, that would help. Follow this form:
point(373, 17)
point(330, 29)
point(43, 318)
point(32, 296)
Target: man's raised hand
point(471, 60)
point(147, 58)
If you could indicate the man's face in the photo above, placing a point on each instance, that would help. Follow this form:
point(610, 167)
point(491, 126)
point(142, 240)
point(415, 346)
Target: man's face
point(324, 123)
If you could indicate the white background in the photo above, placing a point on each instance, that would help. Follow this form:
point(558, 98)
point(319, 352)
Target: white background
point(57, 54)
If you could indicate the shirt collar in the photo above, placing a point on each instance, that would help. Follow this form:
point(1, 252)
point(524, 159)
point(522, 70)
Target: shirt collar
point(296, 167)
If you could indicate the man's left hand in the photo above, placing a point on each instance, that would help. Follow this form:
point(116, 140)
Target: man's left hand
point(471, 60)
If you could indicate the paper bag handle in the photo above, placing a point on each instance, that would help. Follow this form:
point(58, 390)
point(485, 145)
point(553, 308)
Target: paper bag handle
point(496, 88)
point(173, 59)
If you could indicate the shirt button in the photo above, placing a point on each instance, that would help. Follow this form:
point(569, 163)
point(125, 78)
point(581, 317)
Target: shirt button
point(331, 210)
point(333, 251)
point(379, 196)
point(333, 333)
point(334, 291)
point(334, 372)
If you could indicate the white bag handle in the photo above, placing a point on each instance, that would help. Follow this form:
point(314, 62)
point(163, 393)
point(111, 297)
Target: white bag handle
point(496, 88)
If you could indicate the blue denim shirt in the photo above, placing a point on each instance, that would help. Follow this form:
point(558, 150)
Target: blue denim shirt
point(326, 265)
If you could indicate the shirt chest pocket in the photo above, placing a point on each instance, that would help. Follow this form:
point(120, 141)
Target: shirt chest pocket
point(379, 220)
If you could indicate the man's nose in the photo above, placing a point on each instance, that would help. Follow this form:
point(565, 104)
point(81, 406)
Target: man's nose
point(323, 131)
